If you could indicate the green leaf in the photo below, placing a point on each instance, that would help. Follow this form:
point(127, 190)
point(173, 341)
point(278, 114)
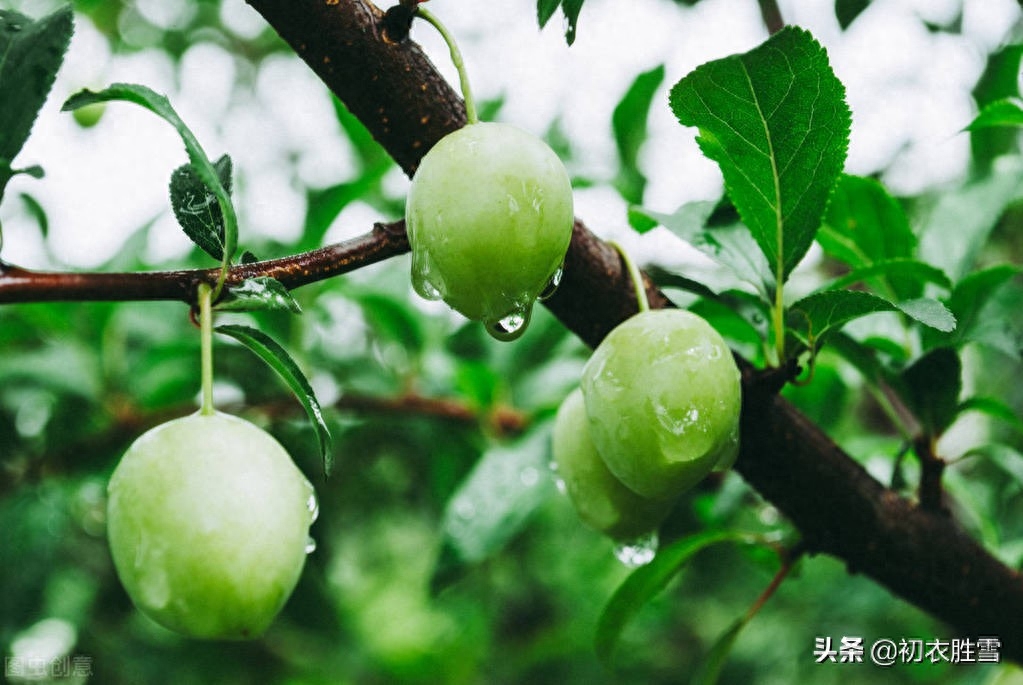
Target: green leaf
point(955, 227)
point(201, 165)
point(982, 318)
point(776, 122)
point(994, 408)
point(196, 207)
point(816, 314)
point(864, 224)
point(393, 319)
point(646, 582)
point(31, 53)
point(1007, 112)
point(270, 351)
point(904, 271)
point(709, 670)
point(494, 502)
point(1000, 80)
point(846, 11)
point(1005, 457)
point(931, 388)
point(545, 10)
point(259, 293)
point(629, 123)
point(731, 246)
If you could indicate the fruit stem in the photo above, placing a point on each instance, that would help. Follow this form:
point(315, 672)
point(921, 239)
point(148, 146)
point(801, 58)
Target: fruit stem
point(206, 348)
point(456, 57)
point(637, 278)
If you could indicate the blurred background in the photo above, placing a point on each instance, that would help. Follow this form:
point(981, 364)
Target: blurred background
point(417, 397)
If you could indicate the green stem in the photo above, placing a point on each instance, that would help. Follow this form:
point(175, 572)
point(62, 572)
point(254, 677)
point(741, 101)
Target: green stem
point(637, 278)
point(779, 323)
point(456, 57)
point(206, 344)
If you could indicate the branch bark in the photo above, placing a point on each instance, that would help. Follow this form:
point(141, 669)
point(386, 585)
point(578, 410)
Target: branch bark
point(920, 555)
point(395, 91)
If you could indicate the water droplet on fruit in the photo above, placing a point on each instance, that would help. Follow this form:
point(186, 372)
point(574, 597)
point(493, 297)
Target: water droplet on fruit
point(552, 284)
point(310, 545)
point(314, 508)
point(511, 326)
point(421, 277)
point(559, 482)
point(638, 551)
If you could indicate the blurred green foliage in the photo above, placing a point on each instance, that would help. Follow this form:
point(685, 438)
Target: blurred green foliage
point(420, 404)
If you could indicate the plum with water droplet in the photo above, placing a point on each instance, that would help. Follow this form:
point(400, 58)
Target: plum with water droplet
point(489, 217)
point(208, 522)
point(600, 499)
point(663, 395)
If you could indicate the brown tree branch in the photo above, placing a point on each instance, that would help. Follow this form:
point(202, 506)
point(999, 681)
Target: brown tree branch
point(838, 507)
point(23, 285)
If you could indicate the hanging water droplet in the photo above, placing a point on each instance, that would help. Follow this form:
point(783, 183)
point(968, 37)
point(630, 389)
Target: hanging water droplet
point(552, 284)
point(310, 545)
point(421, 281)
point(313, 505)
point(639, 551)
point(511, 326)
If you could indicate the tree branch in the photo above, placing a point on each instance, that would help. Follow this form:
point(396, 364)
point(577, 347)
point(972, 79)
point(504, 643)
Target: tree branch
point(24, 285)
point(840, 510)
point(838, 507)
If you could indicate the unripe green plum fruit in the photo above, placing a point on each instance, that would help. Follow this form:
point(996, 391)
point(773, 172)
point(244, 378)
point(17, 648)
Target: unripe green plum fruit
point(208, 522)
point(600, 499)
point(663, 395)
point(489, 217)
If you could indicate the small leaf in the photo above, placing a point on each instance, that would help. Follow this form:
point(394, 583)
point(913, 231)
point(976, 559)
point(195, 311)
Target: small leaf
point(268, 349)
point(646, 582)
point(393, 319)
point(904, 271)
point(494, 502)
point(776, 122)
point(31, 53)
point(982, 318)
point(956, 226)
point(709, 670)
point(196, 207)
point(629, 123)
point(994, 408)
point(545, 10)
point(846, 11)
point(38, 212)
point(931, 388)
point(1004, 456)
point(1007, 112)
point(731, 246)
point(200, 163)
point(816, 314)
point(258, 293)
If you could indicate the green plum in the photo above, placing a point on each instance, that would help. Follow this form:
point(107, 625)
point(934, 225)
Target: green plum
point(208, 521)
point(489, 217)
point(600, 499)
point(663, 395)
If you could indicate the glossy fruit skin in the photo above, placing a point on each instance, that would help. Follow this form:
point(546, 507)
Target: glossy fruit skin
point(489, 217)
point(601, 500)
point(208, 521)
point(663, 396)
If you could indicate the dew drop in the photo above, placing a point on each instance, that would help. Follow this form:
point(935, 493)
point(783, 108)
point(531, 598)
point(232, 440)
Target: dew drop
point(313, 505)
point(310, 545)
point(638, 551)
point(511, 326)
point(552, 284)
point(421, 281)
